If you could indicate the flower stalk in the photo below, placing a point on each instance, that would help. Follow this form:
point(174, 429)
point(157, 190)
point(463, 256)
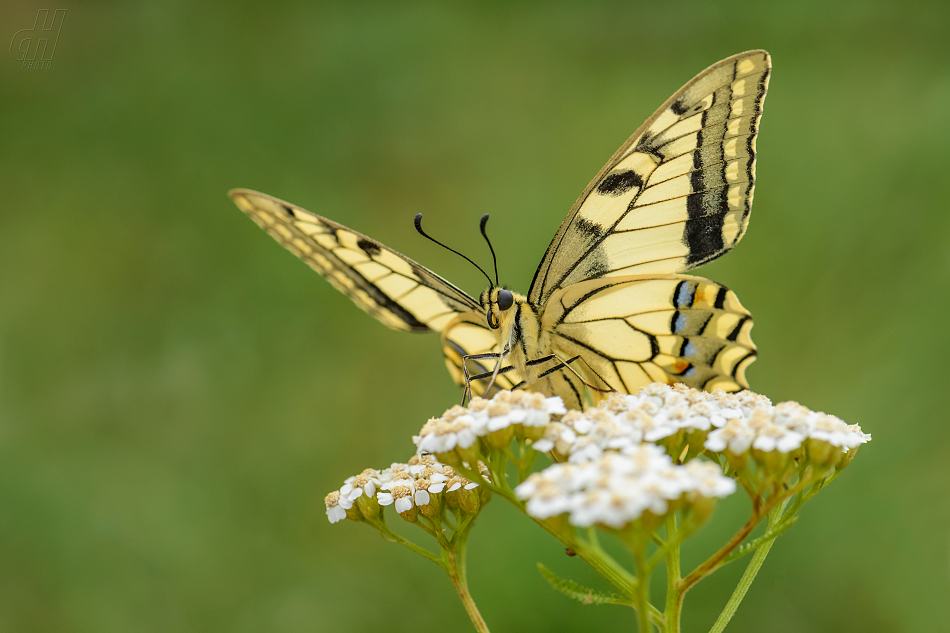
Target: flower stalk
point(674, 602)
point(762, 550)
point(454, 564)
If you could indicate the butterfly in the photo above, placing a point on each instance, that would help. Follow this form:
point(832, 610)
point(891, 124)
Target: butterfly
point(608, 309)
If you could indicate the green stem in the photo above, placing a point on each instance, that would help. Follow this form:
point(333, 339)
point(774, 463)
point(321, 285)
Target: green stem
point(433, 528)
point(391, 536)
point(643, 592)
point(681, 534)
point(455, 566)
point(601, 561)
point(674, 602)
point(452, 561)
point(720, 558)
point(749, 575)
point(525, 460)
point(590, 553)
point(453, 557)
point(716, 560)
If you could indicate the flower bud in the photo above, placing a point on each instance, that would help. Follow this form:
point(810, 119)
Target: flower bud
point(411, 515)
point(846, 459)
point(468, 498)
point(821, 453)
point(368, 507)
point(532, 433)
point(429, 504)
point(774, 463)
point(501, 438)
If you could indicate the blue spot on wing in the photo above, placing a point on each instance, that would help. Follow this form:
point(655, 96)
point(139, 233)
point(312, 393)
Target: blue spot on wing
point(684, 294)
point(678, 322)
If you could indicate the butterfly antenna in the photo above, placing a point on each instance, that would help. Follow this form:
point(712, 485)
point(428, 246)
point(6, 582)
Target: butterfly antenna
point(494, 259)
point(418, 223)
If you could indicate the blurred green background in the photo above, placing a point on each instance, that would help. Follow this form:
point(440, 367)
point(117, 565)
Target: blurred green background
point(177, 392)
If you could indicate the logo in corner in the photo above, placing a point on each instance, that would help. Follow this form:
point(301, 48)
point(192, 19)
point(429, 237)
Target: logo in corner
point(32, 47)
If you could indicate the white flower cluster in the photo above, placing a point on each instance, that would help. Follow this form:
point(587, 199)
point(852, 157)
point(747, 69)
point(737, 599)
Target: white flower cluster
point(405, 486)
point(656, 413)
point(620, 454)
point(784, 428)
point(618, 488)
point(338, 502)
point(460, 427)
point(719, 421)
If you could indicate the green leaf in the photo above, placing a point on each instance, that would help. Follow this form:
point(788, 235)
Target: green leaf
point(578, 592)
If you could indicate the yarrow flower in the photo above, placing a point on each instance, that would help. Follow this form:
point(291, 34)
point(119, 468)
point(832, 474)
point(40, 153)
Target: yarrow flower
point(498, 420)
point(659, 413)
point(788, 429)
point(335, 511)
point(422, 484)
point(678, 417)
point(365, 483)
point(618, 489)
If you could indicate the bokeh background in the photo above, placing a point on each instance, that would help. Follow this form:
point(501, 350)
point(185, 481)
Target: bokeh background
point(177, 392)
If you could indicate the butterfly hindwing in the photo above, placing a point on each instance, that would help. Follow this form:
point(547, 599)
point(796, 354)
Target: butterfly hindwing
point(634, 330)
point(677, 194)
point(386, 284)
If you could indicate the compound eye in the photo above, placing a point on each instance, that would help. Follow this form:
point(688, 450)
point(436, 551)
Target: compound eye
point(505, 299)
point(492, 320)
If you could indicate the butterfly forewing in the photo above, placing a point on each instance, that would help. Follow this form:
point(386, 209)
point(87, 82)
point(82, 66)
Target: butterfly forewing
point(677, 194)
point(386, 284)
point(640, 329)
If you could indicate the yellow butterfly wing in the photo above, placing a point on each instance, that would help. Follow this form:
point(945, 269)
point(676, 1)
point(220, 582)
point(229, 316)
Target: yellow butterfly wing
point(677, 194)
point(634, 330)
point(389, 286)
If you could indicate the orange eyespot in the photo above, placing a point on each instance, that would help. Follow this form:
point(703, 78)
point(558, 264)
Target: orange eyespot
point(505, 299)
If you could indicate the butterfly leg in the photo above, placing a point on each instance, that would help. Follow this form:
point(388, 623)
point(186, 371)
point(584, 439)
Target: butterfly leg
point(494, 375)
point(566, 364)
point(489, 374)
point(467, 391)
point(532, 363)
point(544, 359)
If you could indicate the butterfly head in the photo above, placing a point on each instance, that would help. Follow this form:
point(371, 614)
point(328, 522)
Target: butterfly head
point(498, 303)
